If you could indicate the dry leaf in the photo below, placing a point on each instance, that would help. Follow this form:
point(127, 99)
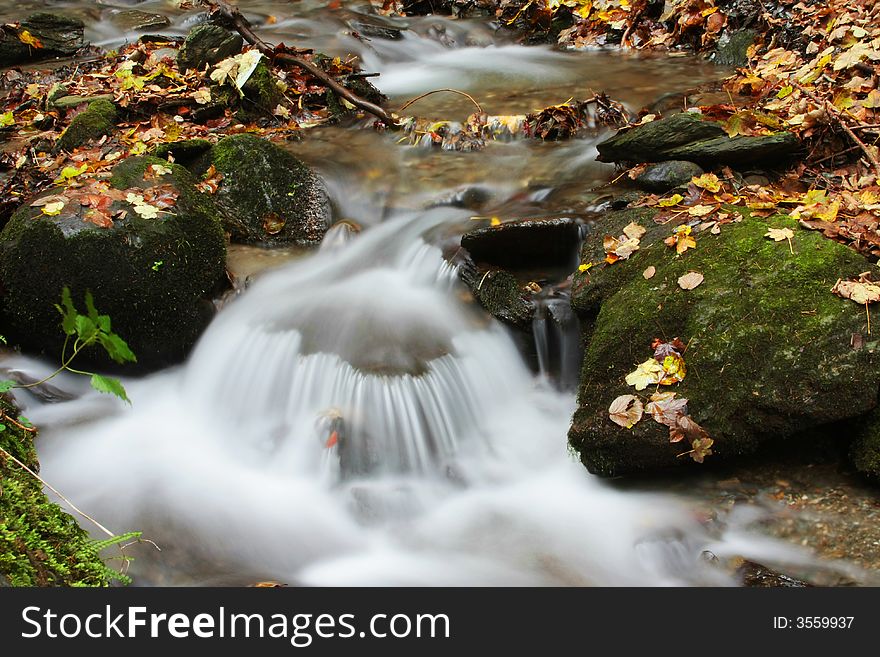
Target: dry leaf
point(666, 409)
point(861, 293)
point(626, 411)
point(648, 373)
point(649, 272)
point(633, 231)
point(779, 234)
point(690, 280)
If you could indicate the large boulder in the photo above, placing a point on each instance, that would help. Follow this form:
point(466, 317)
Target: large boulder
point(769, 347)
point(97, 120)
point(267, 195)
point(152, 275)
point(689, 136)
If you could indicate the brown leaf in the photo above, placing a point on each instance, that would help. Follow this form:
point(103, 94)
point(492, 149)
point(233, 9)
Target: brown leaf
point(626, 411)
point(690, 280)
point(666, 409)
point(861, 293)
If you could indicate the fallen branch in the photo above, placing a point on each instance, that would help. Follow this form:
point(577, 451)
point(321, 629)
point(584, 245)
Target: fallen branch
point(437, 91)
point(241, 24)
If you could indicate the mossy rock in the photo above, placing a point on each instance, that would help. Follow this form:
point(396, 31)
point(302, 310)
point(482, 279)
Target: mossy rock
point(689, 136)
point(864, 451)
point(206, 45)
point(499, 292)
point(267, 195)
point(59, 36)
point(97, 120)
point(664, 176)
point(733, 48)
point(40, 544)
point(154, 277)
point(769, 346)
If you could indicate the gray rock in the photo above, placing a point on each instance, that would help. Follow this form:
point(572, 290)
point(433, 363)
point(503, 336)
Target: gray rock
point(663, 176)
point(739, 151)
point(134, 19)
point(769, 352)
point(207, 44)
point(525, 244)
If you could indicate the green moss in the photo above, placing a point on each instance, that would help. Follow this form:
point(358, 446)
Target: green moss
point(40, 544)
point(93, 123)
point(187, 153)
point(768, 353)
point(268, 195)
point(501, 296)
point(160, 309)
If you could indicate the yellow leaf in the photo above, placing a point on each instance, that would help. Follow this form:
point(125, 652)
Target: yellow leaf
point(675, 199)
point(72, 172)
point(785, 92)
point(701, 210)
point(829, 213)
point(26, 37)
point(873, 99)
point(6, 119)
point(494, 221)
point(648, 373)
point(583, 268)
point(52, 209)
point(684, 243)
point(708, 181)
point(633, 230)
point(674, 369)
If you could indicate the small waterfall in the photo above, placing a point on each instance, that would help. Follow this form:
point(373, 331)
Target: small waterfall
point(556, 332)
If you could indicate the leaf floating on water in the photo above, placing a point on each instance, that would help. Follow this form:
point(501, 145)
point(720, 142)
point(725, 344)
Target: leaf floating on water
point(626, 411)
point(861, 293)
point(690, 280)
point(649, 272)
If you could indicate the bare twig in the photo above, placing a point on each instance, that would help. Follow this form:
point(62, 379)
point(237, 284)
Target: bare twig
point(243, 27)
point(437, 91)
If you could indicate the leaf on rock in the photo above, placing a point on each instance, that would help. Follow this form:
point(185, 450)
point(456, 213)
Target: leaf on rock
point(779, 234)
point(633, 231)
point(666, 409)
point(690, 280)
point(53, 209)
point(675, 199)
point(649, 272)
point(701, 448)
point(648, 373)
point(674, 369)
point(708, 181)
point(626, 411)
point(861, 293)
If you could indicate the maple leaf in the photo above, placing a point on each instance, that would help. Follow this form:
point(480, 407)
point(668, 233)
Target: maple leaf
point(861, 293)
point(701, 448)
point(202, 96)
point(666, 409)
point(690, 280)
point(27, 38)
point(626, 411)
point(708, 181)
point(675, 199)
point(779, 234)
point(225, 70)
point(648, 373)
point(247, 64)
point(673, 368)
point(98, 218)
point(146, 210)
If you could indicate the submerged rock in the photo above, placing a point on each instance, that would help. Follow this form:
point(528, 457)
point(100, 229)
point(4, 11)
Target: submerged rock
point(267, 195)
point(95, 122)
point(152, 276)
point(769, 350)
point(525, 244)
point(56, 36)
point(688, 136)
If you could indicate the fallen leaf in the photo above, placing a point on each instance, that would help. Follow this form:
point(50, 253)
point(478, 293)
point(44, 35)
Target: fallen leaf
point(779, 234)
point(648, 373)
point(861, 293)
point(701, 210)
point(26, 37)
point(708, 181)
point(674, 369)
point(626, 411)
point(52, 209)
point(675, 199)
point(690, 280)
point(6, 119)
point(633, 231)
point(701, 448)
point(665, 409)
point(649, 272)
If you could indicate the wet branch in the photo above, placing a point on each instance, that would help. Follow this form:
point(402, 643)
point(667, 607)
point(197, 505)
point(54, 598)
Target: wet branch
point(243, 27)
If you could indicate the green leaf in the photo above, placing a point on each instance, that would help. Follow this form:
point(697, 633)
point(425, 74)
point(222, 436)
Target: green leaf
point(68, 312)
point(90, 307)
point(109, 385)
point(25, 422)
point(6, 385)
point(2, 427)
point(103, 322)
point(117, 348)
point(85, 328)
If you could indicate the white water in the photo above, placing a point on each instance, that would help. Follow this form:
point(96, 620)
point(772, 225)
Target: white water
point(457, 473)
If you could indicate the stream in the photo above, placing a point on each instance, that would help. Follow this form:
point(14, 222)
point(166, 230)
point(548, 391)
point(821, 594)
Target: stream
point(350, 417)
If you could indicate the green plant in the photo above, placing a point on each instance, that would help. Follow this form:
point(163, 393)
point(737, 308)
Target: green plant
point(85, 331)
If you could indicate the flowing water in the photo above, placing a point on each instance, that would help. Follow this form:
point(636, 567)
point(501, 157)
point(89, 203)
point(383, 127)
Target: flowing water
point(350, 417)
